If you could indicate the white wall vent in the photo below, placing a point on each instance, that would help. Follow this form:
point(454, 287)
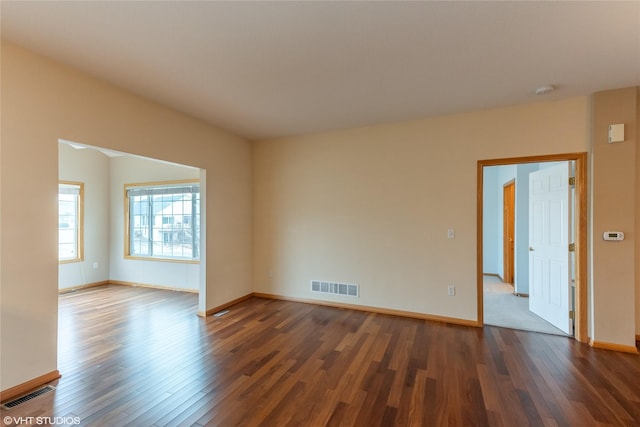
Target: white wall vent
point(347, 289)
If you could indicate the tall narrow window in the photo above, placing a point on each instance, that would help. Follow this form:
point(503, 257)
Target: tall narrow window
point(70, 221)
point(163, 220)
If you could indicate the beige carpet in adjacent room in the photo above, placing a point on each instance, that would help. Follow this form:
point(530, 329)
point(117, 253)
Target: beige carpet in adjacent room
point(502, 308)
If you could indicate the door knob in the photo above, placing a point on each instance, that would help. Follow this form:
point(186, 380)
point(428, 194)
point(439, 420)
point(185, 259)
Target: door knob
point(531, 249)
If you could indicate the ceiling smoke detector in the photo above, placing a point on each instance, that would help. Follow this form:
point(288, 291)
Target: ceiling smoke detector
point(543, 90)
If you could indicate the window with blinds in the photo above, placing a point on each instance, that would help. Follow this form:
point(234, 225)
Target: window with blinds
point(70, 221)
point(163, 220)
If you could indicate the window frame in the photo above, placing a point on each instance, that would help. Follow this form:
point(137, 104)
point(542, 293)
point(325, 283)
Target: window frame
point(127, 221)
point(79, 235)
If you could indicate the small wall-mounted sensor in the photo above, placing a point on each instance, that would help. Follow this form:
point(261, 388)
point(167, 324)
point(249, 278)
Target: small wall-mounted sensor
point(616, 133)
point(613, 235)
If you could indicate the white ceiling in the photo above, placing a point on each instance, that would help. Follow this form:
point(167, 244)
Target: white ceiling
point(265, 69)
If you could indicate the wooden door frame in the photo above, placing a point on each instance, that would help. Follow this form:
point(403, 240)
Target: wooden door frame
point(508, 248)
point(580, 224)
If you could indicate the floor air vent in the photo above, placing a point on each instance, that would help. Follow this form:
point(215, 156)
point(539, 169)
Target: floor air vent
point(15, 402)
point(347, 289)
point(221, 313)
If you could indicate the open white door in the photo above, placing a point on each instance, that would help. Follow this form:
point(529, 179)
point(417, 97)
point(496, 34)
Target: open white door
point(549, 233)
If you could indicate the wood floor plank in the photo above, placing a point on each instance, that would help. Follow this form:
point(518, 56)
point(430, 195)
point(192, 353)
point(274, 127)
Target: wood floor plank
point(141, 357)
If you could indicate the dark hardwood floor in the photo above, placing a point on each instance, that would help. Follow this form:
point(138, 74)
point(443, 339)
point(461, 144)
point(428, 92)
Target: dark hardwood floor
point(141, 357)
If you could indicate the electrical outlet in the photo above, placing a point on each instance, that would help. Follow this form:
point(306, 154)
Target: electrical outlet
point(451, 233)
point(451, 290)
point(95, 265)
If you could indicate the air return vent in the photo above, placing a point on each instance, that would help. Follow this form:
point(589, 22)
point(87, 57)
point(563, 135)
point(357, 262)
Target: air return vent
point(347, 289)
point(15, 402)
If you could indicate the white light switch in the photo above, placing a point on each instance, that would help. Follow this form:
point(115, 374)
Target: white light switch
point(451, 233)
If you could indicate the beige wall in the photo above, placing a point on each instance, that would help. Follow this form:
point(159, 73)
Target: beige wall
point(43, 101)
point(372, 206)
point(613, 194)
point(91, 168)
point(132, 170)
point(637, 215)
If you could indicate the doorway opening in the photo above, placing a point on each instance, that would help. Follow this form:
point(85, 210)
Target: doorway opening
point(573, 294)
point(110, 222)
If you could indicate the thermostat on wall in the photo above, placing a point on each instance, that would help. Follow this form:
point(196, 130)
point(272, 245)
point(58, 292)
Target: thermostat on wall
point(613, 235)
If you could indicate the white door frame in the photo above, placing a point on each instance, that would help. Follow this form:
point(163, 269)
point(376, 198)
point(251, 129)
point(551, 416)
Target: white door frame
point(580, 303)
